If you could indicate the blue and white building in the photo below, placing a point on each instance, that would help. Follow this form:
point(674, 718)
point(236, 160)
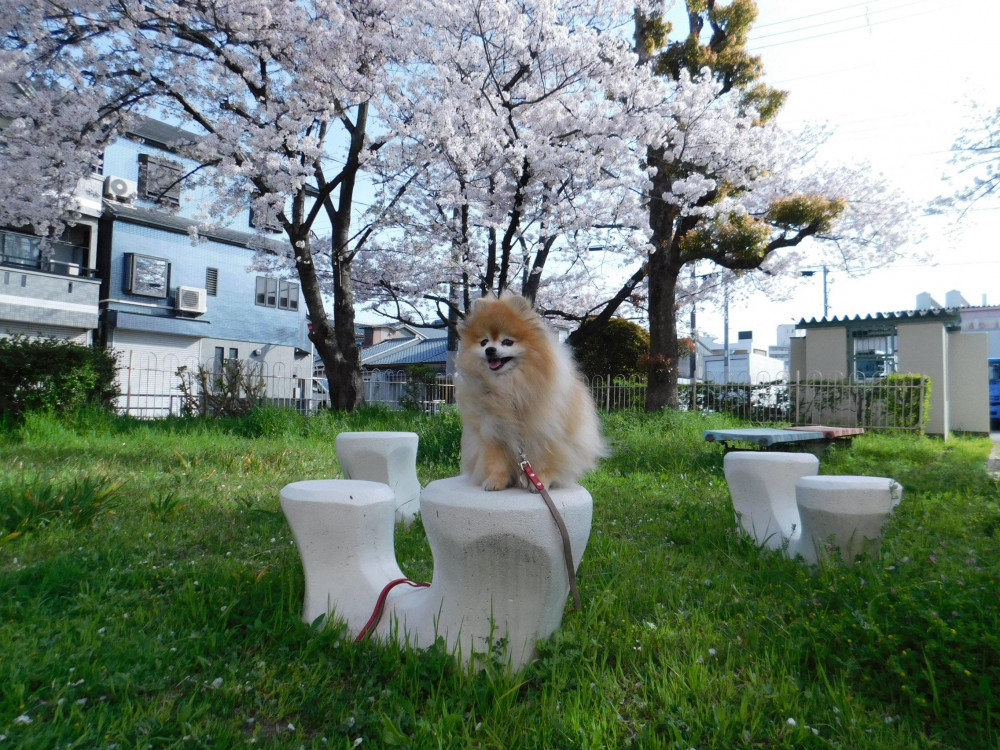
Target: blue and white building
point(129, 276)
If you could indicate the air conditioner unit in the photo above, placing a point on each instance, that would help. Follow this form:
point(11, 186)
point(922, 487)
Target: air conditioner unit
point(119, 189)
point(191, 299)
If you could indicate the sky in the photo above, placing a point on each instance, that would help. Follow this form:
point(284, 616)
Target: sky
point(894, 79)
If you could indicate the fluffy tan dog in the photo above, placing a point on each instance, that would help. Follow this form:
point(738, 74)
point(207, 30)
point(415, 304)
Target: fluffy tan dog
point(518, 390)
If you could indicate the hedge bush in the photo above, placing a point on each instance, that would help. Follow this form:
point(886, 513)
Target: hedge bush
point(53, 374)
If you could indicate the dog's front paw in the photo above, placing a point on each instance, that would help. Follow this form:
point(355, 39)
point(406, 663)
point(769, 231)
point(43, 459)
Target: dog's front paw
point(496, 482)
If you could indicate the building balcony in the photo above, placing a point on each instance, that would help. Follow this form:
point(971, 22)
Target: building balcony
point(48, 288)
point(25, 252)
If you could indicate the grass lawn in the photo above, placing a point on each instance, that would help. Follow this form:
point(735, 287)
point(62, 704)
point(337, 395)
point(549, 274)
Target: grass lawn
point(151, 598)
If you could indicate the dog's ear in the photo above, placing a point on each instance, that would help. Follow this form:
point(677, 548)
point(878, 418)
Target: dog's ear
point(463, 322)
point(516, 301)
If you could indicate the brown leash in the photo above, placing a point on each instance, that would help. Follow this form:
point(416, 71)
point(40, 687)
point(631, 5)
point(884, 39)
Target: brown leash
point(567, 551)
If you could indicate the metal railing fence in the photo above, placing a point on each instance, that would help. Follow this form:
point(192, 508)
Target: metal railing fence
point(151, 387)
point(154, 389)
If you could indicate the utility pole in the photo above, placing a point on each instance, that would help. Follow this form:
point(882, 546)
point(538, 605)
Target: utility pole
point(693, 364)
point(725, 333)
point(826, 272)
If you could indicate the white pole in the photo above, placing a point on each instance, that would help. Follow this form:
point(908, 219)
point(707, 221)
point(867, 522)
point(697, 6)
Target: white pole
point(725, 333)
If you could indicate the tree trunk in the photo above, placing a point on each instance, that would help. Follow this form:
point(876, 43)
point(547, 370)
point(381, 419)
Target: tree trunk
point(661, 389)
point(346, 386)
point(337, 345)
point(343, 371)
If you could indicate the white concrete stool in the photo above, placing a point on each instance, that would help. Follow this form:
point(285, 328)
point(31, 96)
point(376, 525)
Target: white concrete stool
point(762, 487)
point(499, 570)
point(847, 511)
point(387, 457)
point(343, 529)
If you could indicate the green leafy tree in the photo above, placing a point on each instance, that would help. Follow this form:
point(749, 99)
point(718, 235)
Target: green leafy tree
point(617, 350)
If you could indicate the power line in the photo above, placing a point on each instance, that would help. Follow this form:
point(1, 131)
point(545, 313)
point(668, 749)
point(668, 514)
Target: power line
point(867, 15)
point(838, 31)
point(822, 13)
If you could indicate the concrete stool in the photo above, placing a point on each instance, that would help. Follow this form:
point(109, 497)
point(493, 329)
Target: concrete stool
point(848, 511)
point(343, 529)
point(499, 573)
point(387, 457)
point(762, 487)
point(499, 570)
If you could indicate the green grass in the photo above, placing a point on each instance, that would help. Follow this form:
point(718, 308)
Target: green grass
point(167, 614)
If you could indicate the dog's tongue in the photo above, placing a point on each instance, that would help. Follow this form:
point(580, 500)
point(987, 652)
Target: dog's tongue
point(496, 364)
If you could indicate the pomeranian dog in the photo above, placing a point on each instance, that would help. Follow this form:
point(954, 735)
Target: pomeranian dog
point(518, 390)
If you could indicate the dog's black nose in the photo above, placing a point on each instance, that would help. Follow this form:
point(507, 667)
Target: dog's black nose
point(491, 351)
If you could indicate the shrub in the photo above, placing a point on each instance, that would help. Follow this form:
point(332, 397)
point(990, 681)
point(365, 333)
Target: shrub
point(53, 374)
point(420, 388)
point(615, 350)
point(234, 390)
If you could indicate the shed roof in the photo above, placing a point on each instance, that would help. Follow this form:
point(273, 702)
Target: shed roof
point(947, 316)
point(415, 351)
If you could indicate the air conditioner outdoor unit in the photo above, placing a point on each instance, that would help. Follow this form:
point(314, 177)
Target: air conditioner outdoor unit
point(119, 189)
point(191, 299)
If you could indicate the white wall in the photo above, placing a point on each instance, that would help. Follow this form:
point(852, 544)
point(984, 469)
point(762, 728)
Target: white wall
point(744, 368)
point(984, 320)
point(968, 382)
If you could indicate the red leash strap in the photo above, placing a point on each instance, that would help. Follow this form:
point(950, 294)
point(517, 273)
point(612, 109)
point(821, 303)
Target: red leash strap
point(563, 532)
point(380, 605)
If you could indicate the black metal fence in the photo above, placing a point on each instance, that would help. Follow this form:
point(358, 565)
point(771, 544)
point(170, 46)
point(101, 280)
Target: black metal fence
point(896, 402)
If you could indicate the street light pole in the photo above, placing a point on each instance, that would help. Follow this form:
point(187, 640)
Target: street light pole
point(693, 362)
point(826, 272)
point(826, 299)
point(725, 333)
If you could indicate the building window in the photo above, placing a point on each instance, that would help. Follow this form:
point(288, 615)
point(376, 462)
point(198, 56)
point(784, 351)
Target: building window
point(267, 291)
point(278, 293)
point(147, 276)
point(874, 352)
point(220, 357)
point(288, 295)
point(160, 180)
point(20, 250)
point(212, 281)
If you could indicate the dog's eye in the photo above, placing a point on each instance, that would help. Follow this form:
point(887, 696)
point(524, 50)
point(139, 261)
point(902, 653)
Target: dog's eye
point(507, 342)
point(484, 342)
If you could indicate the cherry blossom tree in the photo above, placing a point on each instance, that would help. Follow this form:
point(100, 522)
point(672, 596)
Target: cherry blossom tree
point(567, 148)
point(727, 184)
point(280, 94)
point(518, 154)
point(975, 161)
point(542, 151)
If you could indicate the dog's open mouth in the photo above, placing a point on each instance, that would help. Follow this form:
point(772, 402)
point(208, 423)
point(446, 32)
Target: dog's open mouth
point(497, 363)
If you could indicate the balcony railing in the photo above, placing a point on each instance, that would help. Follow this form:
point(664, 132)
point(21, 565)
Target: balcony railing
point(25, 252)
